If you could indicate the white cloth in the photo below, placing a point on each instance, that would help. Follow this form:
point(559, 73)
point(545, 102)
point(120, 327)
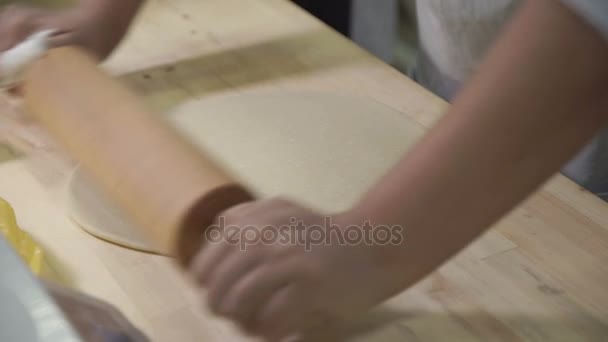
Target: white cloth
point(14, 61)
point(456, 33)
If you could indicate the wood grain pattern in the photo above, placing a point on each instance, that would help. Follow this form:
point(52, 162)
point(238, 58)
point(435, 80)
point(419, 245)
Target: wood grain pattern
point(538, 275)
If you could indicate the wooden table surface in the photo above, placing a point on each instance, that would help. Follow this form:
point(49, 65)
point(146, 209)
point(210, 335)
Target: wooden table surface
point(538, 275)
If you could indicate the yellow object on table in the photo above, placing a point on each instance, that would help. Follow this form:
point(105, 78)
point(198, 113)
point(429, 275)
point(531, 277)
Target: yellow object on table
point(31, 253)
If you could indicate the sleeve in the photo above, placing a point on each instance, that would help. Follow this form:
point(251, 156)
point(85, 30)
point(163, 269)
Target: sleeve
point(594, 11)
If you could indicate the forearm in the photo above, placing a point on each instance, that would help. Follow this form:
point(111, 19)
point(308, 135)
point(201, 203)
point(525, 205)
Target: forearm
point(122, 10)
point(541, 94)
point(110, 19)
point(117, 6)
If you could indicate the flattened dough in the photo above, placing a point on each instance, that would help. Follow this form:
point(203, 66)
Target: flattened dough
point(322, 150)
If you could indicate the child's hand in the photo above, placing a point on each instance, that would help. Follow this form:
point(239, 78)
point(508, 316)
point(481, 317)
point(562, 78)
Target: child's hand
point(277, 278)
point(89, 25)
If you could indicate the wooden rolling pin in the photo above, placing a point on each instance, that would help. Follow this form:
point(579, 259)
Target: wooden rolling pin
point(160, 180)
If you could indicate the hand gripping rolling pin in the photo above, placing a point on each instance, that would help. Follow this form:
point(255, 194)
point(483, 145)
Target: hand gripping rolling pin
point(168, 188)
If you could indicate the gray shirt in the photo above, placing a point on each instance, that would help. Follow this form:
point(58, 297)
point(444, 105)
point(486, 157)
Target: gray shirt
point(455, 35)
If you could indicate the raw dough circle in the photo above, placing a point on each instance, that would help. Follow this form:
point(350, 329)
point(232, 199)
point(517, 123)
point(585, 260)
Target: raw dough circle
point(91, 210)
point(322, 150)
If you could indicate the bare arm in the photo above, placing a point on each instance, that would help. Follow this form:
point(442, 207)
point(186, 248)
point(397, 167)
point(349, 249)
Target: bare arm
point(541, 94)
point(97, 25)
